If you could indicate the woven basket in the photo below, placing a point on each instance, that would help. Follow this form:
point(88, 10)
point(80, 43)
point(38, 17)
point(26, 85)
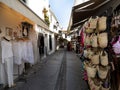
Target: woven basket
point(87, 40)
point(102, 88)
point(102, 72)
point(95, 59)
point(96, 84)
point(94, 41)
point(89, 30)
point(104, 58)
point(93, 23)
point(102, 23)
point(103, 40)
point(91, 71)
point(90, 54)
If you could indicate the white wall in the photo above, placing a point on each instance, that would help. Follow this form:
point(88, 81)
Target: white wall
point(52, 23)
point(38, 5)
point(19, 7)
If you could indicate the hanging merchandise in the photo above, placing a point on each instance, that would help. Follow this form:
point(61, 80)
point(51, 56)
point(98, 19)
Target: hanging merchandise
point(104, 58)
point(27, 55)
point(30, 54)
point(17, 52)
point(95, 58)
point(116, 45)
point(102, 88)
point(103, 40)
point(7, 61)
point(102, 24)
point(95, 53)
point(102, 72)
point(94, 41)
point(93, 22)
point(87, 40)
point(88, 30)
point(105, 84)
point(96, 84)
point(91, 70)
point(90, 54)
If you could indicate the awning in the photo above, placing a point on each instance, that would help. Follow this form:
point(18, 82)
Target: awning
point(82, 12)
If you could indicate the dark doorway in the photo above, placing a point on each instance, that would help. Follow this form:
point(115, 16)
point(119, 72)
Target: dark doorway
point(50, 42)
point(41, 43)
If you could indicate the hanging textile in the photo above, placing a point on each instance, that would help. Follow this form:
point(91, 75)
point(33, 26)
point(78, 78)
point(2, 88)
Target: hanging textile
point(7, 63)
point(17, 52)
point(30, 55)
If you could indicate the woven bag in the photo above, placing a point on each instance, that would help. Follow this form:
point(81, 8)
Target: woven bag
point(102, 88)
point(102, 72)
point(94, 41)
point(102, 25)
point(96, 85)
point(103, 40)
point(87, 40)
point(91, 71)
point(104, 58)
point(93, 23)
point(89, 30)
point(90, 53)
point(95, 58)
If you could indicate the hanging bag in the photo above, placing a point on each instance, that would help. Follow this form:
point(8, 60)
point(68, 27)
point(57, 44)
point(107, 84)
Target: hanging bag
point(93, 23)
point(88, 30)
point(96, 84)
point(103, 40)
point(94, 41)
point(106, 83)
point(102, 72)
point(95, 58)
point(91, 71)
point(87, 40)
point(102, 25)
point(90, 53)
point(102, 88)
point(104, 58)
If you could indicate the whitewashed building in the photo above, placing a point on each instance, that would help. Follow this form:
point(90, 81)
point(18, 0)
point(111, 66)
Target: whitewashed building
point(24, 20)
point(38, 7)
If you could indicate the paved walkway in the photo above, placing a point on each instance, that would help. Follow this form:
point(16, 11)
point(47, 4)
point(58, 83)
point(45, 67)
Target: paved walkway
point(61, 71)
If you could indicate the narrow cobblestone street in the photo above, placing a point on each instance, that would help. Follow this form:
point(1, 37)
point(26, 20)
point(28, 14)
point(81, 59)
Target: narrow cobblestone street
point(60, 71)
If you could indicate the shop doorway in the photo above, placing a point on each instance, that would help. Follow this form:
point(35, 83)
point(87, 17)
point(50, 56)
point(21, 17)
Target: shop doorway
point(41, 44)
point(50, 42)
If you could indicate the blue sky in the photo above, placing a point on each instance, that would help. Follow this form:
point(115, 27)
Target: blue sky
point(62, 10)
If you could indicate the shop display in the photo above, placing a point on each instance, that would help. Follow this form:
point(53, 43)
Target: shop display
point(96, 57)
point(102, 25)
point(14, 50)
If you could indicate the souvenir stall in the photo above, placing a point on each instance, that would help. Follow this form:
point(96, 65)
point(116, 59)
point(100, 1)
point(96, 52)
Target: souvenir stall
point(101, 51)
point(16, 47)
point(96, 53)
point(100, 42)
point(16, 53)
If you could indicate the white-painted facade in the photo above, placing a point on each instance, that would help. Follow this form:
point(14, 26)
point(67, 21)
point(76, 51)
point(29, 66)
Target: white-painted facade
point(37, 6)
point(13, 12)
